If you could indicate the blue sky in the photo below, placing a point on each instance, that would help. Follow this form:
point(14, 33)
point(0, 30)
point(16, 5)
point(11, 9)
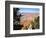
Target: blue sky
point(29, 10)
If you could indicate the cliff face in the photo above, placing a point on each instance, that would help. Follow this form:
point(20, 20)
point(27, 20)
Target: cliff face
point(26, 19)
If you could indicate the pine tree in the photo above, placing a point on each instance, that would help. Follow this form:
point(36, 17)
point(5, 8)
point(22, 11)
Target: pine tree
point(16, 18)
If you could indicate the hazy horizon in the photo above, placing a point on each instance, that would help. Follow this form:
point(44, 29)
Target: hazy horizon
point(29, 10)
